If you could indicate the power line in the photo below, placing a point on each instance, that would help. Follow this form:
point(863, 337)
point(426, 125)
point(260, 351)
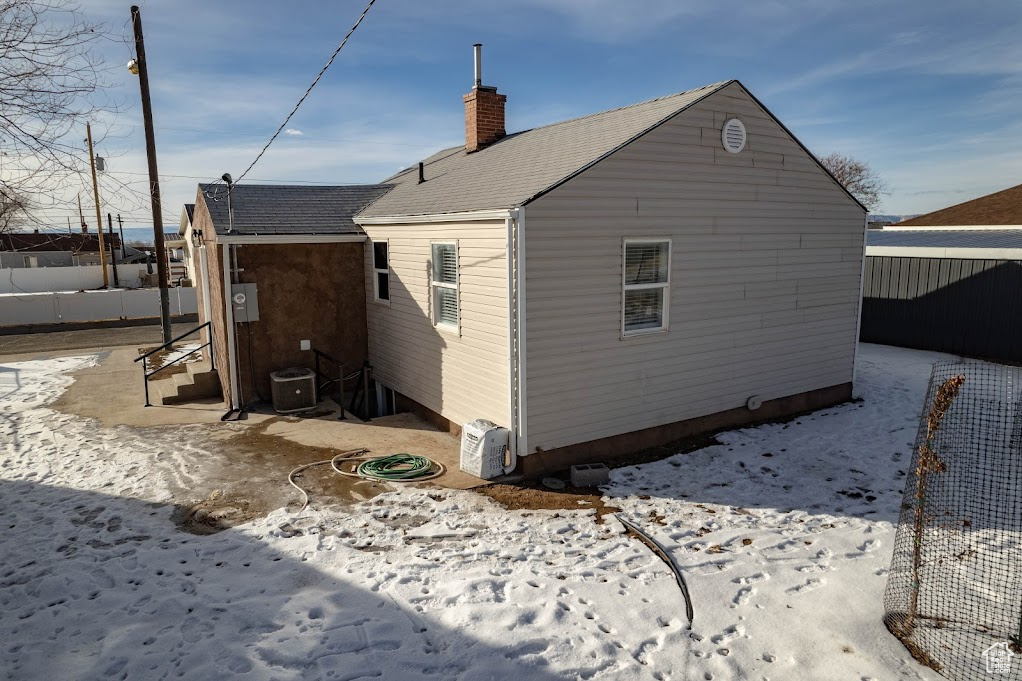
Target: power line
point(308, 90)
point(296, 138)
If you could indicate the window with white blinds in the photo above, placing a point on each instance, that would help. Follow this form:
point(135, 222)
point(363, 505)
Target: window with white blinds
point(646, 286)
point(445, 285)
point(381, 271)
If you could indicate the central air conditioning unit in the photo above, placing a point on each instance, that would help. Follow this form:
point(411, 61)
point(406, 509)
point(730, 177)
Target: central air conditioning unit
point(293, 390)
point(484, 450)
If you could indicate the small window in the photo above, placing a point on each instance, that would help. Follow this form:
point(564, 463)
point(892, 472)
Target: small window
point(445, 285)
point(381, 271)
point(646, 295)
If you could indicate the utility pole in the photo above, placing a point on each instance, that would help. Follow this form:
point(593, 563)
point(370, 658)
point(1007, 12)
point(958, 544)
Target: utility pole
point(69, 224)
point(154, 177)
point(113, 256)
point(81, 216)
point(99, 216)
point(120, 228)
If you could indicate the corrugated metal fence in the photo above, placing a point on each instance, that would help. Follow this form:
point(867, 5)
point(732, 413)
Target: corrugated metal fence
point(965, 307)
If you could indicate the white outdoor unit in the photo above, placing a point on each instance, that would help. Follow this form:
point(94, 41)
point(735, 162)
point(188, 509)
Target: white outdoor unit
point(484, 450)
point(293, 390)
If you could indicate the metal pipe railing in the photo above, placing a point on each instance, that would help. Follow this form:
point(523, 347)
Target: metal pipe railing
point(146, 374)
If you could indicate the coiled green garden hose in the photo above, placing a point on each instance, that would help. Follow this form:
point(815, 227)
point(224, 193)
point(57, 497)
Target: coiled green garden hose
point(401, 467)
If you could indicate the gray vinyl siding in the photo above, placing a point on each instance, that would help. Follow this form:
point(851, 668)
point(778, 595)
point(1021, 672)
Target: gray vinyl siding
point(462, 377)
point(766, 260)
point(42, 259)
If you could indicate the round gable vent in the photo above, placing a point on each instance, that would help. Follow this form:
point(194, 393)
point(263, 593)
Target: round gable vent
point(733, 135)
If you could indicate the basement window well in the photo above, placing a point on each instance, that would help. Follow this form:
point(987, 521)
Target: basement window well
point(381, 271)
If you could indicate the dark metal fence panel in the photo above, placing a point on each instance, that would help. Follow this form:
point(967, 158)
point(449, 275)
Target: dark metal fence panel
point(965, 307)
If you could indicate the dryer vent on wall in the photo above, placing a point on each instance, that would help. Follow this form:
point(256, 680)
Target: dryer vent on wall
point(293, 390)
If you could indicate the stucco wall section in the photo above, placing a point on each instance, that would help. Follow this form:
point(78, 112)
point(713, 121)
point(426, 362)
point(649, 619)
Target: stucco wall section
point(313, 292)
point(202, 222)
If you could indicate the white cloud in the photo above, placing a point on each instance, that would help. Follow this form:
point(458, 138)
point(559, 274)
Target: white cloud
point(293, 132)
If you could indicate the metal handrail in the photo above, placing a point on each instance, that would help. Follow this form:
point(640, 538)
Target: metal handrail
point(173, 340)
point(146, 374)
point(327, 381)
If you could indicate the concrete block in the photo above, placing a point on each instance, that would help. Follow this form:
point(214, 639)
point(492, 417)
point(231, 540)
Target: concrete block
point(590, 475)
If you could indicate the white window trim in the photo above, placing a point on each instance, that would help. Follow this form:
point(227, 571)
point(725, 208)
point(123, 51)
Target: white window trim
point(443, 326)
point(378, 271)
point(666, 286)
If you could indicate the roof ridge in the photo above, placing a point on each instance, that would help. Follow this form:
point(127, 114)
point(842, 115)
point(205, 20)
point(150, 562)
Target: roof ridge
point(297, 186)
point(441, 154)
point(711, 86)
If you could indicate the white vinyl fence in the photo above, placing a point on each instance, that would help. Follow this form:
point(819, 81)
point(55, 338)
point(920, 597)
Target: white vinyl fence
point(91, 306)
point(77, 278)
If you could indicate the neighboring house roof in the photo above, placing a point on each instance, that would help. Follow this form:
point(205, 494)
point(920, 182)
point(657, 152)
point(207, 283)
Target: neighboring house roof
point(39, 242)
point(517, 168)
point(964, 238)
point(1000, 208)
point(288, 209)
point(190, 211)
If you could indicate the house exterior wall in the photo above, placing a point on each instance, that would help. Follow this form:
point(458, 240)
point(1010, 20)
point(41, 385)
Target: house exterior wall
point(766, 259)
point(311, 292)
point(190, 255)
point(462, 376)
point(215, 282)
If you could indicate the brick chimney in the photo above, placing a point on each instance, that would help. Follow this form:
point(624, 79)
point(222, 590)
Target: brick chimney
point(484, 110)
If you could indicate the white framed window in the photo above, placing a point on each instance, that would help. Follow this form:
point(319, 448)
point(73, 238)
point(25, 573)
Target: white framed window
point(444, 285)
point(381, 271)
point(646, 286)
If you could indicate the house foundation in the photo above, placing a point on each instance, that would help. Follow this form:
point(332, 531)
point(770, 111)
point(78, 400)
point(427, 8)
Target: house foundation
point(617, 447)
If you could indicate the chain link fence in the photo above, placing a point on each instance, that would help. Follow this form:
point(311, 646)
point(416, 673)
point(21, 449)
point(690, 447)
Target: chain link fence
point(954, 592)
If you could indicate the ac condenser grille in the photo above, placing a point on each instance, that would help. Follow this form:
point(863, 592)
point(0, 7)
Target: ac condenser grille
point(293, 390)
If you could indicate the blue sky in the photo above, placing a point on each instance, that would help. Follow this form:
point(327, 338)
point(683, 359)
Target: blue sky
point(929, 93)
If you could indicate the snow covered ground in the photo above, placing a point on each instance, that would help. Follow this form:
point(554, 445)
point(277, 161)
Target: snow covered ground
point(784, 533)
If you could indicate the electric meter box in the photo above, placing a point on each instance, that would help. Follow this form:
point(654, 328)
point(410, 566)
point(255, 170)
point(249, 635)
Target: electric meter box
point(245, 300)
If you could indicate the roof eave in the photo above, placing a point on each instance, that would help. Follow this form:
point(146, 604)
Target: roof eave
point(461, 216)
point(268, 239)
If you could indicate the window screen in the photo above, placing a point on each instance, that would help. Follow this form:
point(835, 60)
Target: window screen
point(646, 281)
point(445, 284)
point(381, 270)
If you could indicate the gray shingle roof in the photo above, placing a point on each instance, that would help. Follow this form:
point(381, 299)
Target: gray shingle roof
point(290, 209)
point(516, 169)
point(972, 238)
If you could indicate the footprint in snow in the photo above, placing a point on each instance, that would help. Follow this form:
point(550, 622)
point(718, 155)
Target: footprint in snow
point(743, 596)
point(865, 549)
point(752, 579)
point(729, 634)
point(811, 583)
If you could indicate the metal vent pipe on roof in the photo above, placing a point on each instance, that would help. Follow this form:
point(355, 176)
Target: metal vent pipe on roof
point(422, 175)
point(478, 47)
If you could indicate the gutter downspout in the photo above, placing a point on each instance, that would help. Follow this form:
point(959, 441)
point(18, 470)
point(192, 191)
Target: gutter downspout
point(512, 335)
point(520, 349)
point(229, 323)
point(204, 278)
point(858, 319)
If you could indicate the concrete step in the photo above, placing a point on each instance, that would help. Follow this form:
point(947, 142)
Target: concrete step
point(186, 387)
point(200, 366)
